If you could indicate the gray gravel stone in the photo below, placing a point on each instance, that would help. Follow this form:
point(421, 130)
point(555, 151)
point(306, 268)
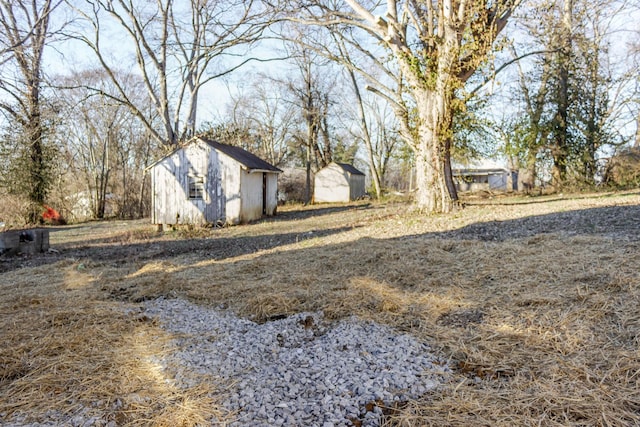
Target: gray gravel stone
point(281, 373)
point(321, 375)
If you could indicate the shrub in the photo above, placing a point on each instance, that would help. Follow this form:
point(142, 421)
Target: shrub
point(623, 169)
point(14, 210)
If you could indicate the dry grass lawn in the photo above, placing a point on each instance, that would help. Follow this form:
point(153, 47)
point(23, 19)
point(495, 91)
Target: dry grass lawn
point(535, 302)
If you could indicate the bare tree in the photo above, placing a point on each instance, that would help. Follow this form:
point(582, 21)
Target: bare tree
point(386, 141)
point(374, 171)
point(377, 130)
point(22, 23)
point(24, 32)
point(436, 47)
point(178, 48)
point(311, 94)
point(635, 53)
point(108, 146)
point(269, 116)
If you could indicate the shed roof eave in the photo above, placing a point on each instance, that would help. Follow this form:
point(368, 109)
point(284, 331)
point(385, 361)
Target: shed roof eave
point(166, 156)
point(262, 171)
point(479, 171)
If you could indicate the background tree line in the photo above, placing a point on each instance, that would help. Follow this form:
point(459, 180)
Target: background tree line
point(93, 91)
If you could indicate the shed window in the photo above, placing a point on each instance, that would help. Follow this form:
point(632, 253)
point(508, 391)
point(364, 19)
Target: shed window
point(196, 187)
point(475, 179)
point(481, 179)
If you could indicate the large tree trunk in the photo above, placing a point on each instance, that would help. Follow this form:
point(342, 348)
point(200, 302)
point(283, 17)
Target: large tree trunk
point(38, 168)
point(434, 109)
point(435, 191)
point(561, 129)
point(448, 173)
point(636, 144)
point(39, 184)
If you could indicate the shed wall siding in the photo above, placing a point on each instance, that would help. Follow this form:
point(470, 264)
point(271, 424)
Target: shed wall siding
point(251, 196)
point(331, 185)
point(231, 188)
point(358, 189)
point(272, 193)
point(170, 185)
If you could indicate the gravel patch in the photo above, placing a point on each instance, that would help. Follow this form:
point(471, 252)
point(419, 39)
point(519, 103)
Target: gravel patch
point(298, 370)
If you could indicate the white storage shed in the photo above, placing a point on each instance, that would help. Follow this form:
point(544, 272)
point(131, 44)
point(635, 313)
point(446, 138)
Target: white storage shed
point(206, 182)
point(338, 182)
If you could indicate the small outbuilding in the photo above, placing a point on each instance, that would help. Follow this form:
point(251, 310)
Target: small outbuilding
point(207, 182)
point(338, 182)
point(482, 175)
point(83, 205)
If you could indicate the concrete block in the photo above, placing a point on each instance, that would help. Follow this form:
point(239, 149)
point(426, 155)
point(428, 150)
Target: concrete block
point(30, 241)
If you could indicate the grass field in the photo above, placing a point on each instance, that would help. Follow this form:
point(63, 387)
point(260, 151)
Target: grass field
point(534, 301)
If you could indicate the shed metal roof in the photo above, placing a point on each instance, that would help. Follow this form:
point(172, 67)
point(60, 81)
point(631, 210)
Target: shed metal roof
point(242, 156)
point(479, 166)
point(349, 168)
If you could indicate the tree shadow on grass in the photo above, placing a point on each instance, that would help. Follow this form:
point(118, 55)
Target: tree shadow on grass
point(504, 199)
point(621, 222)
point(481, 254)
point(315, 211)
point(614, 221)
point(215, 248)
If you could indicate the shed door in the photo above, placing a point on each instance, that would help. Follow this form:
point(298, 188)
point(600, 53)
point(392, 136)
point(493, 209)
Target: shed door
point(264, 193)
